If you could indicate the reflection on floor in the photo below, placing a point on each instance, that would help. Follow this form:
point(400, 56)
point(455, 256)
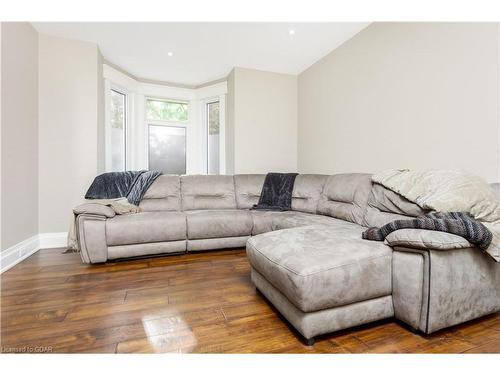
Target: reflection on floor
point(192, 303)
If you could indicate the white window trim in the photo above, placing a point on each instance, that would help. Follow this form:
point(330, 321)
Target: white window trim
point(222, 130)
point(137, 124)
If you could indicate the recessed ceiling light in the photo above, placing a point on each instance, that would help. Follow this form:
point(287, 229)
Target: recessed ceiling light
point(291, 32)
point(170, 54)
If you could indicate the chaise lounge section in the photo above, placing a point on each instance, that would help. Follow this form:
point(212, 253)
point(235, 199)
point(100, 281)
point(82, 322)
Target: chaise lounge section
point(311, 262)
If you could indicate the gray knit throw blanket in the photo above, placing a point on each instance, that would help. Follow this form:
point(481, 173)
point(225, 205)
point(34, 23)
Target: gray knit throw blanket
point(459, 223)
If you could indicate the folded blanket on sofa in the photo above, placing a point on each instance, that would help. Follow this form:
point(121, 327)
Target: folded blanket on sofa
point(459, 223)
point(129, 184)
point(449, 191)
point(276, 192)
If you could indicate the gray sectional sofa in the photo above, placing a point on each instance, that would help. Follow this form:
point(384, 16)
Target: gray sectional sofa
point(311, 262)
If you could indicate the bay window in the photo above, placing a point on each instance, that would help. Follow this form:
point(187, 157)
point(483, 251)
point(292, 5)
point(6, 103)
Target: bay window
point(158, 127)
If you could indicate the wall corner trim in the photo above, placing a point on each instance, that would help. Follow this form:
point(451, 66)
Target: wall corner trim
point(22, 250)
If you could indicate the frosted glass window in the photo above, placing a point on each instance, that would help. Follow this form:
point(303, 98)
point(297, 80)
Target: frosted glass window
point(118, 125)
point(213, 138)
point(167, 149)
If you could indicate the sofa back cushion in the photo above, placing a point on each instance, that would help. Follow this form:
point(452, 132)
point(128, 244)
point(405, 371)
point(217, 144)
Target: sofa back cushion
point(307, 192)
point(164, 194)
point(305, 196)
point(201, 192)
point(385, 205)
point(345, 197)
point(247, 188)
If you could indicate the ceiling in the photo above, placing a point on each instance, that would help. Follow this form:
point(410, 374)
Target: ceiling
point(204, 52)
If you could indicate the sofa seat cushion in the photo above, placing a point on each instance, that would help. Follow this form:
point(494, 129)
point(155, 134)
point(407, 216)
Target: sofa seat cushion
point(145, 227)
point(300, 219)
point(322, 266)
point(203, 224)
point(265, 221)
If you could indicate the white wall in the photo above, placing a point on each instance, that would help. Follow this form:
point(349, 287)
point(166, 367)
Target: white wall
point(404, 95)
point(263, 121)
point(70, 127)
point(19, 146)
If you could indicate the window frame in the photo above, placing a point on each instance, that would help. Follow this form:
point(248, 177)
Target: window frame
point(167, 123)
point(109, 87)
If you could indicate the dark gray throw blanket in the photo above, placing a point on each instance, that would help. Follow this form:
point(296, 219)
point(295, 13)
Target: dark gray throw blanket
point(459, 223)
point(276, 192)
point(129, 184)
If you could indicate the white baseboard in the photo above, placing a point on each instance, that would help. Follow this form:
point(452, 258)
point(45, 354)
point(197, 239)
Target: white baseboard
point(17, 253)
point(20, 251)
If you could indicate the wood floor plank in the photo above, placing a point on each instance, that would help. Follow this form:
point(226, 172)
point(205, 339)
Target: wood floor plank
point(194, 303)
point(490, 347)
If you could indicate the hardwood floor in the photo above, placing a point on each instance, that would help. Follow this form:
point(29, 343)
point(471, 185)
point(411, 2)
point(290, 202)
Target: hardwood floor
point(191, 303)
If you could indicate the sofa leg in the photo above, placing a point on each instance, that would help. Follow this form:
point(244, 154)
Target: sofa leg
point(308, 342)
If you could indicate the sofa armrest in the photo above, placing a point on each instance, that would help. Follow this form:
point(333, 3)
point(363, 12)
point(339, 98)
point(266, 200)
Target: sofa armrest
point(94, 209)
point(426, 240)
point(91, 236)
